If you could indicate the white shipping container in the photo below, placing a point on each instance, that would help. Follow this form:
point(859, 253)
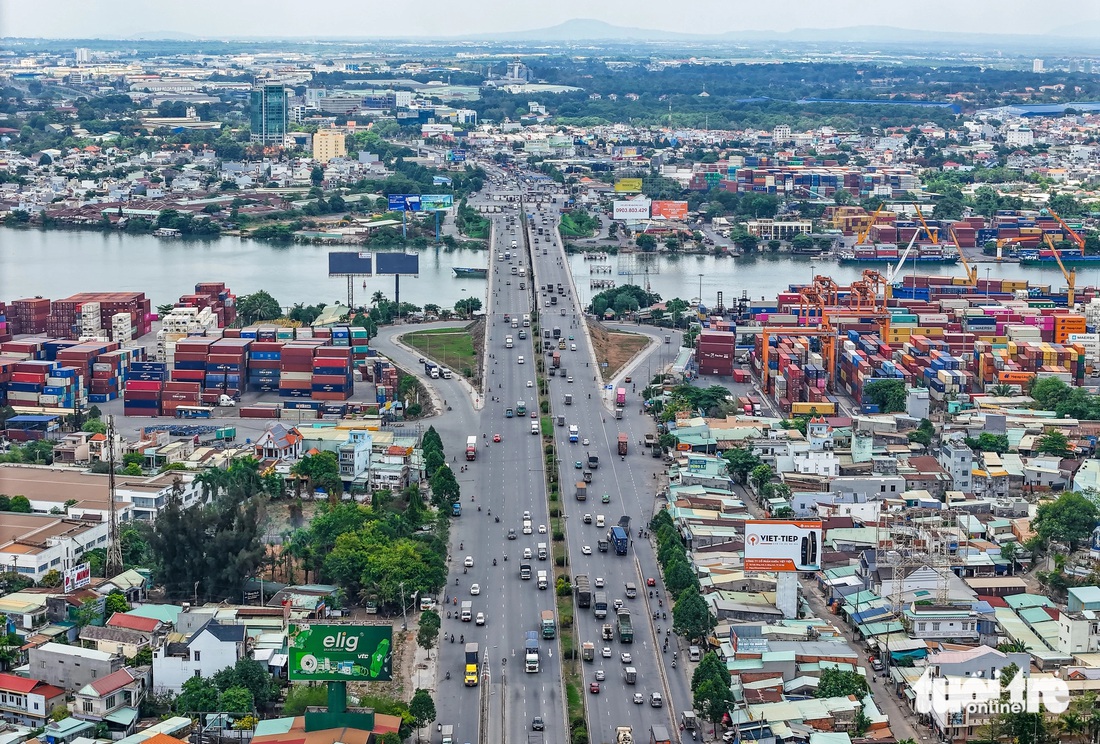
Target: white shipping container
point(59, 381)
point(296, 376)
point(18, 396)
point(47, 400)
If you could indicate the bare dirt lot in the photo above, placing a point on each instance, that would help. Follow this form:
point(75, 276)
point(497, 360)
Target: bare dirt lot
point(614, 348)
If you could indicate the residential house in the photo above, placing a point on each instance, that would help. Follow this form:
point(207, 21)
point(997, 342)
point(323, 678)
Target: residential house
point(390, 469)
point(71, 667)
point(113, 700)
point(353, 455)
point(1079, 632)
point(68, 731)
point(280, 442)
point(28, 702)
point(120, 639)
point(945, 623)
point(205, 652)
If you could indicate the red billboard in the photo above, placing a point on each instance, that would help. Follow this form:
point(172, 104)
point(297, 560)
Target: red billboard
point(669, 210)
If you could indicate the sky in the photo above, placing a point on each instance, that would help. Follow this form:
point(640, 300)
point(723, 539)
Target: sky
point(434, 18)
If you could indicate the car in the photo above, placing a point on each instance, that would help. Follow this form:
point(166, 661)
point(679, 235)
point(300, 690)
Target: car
point(422, 360)
point(509, 413)
point(639, 698)
point(585, 441)
point(475, 589)
point(627, 379)
point(625, 658)
point(600, 675)
point(496, 437)
point(530, 383)
point(572, 347)
point(569, 379)
point(527, 554)
point(570, 336)
point(877, 665)
point(512, 533)
point(586, 550)
point(606, 652)
point(526, 515)
point(656, 700)
point(537, 724)
point(599, 582)
point(534, 414)
point(578, 465)
point(594, 688)
point(651, 581)
point(542, 529)
point(509, 282)
point(618, 603)
point(606, 498)
point(468, 562)
point(480, 619)
point(519, 360)
point(587, 519)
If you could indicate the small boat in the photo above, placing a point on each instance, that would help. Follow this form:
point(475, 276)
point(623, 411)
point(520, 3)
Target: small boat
point(467, 273)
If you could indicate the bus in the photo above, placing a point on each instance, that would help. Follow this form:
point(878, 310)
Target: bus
point(194, 412)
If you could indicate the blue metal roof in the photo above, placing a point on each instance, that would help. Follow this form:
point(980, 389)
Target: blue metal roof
point(29, 419)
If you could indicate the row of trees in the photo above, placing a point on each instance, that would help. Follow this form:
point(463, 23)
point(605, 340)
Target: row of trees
point(622, 300)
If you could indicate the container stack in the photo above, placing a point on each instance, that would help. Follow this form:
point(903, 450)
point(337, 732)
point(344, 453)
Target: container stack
point(214, 297)
point(296, 370)
point(227, 365)
point(189, 359)
point(29, 316)
point(142, 398)
point(67, 317)
point(7, 367)
point(264, 360)
point(5, 333)
point(332, 373)
point(122, 328)
point(90, 325)
point(716, 353)
point(176, 394)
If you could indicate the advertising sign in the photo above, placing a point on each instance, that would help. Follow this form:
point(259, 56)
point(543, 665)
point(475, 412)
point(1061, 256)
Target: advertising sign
point(777, 545)
point(628, 185)
point(633, 209)
point(404, 202)
point(77, 577)
point(320, 653)
point(436, 202)
point(670, 210)
point(350, 263)
point(625, 151)
point(456, 156)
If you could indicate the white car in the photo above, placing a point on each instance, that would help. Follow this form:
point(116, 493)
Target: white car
point(586, 550)
point(527, 553)
point(519, 360)
point(480, 619)
point(601, 675)
point(530, 384)
point(567, 379)
point(639, 698)
point(625, 658)
point(606, 653)
point(599, 582)
point(585, 441)
point(542, 529)
point(469, 562)
point(475, 589)
point(526, 516)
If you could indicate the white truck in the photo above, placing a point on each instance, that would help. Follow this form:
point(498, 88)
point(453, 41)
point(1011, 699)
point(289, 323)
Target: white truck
point(467, 611)
point(543, 581)
point(531, 652)
point(447, 734)
point(226, 401)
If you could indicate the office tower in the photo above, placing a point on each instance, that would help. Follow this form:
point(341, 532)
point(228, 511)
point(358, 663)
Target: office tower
point(269, 114)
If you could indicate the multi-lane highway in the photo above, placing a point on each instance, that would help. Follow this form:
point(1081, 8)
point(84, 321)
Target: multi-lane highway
point(507, 480)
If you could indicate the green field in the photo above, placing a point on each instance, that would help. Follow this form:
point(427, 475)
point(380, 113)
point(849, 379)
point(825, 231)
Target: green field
point(581, 225)
point(451, 347)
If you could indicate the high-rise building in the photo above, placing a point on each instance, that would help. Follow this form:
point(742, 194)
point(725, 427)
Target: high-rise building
point(83, 55)
point(269, 114)
point(1037, 65)
point(328, 144)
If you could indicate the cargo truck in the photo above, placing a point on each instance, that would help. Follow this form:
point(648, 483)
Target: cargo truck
point(569, 399)
point(541, 551)
point(471, 447)
point(582, 491)
point(623, 444)
point(626, 628)
point(470, 677)
point(535, 737)
point(650, 440)
point(525, 571)
point(557, 332)
point(542, 581)
point(467, 613)
point(620, 397)
point(630, 675)
point(599, 606)
point(659, 735)
point(549, 626)
point(531, 652)
point(447, 734)
point(618, 538)
point(574, 435)
point(593, 461)
point(583, 588)
point(618, 412)
point(588, 651)
point(521, 408)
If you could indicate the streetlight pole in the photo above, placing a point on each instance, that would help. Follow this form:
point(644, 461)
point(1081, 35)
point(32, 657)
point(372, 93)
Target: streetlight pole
point(987, 270)
point(812, 267)
point(700, 289)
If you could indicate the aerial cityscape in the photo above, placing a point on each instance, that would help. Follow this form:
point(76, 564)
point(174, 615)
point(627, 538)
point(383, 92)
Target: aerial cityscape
point(764, 342)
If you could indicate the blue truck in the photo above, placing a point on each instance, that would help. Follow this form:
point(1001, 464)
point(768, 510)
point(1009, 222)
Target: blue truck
point(618, 538)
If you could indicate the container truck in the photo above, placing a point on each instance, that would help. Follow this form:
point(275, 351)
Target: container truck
point(549, 626)
point(620, 396)
point(617, 536)
point(599, 605)
point(531, 652)
point(467, 613)
point(582, 491)
point(470, 678)
point(623, 444)
point(583, 587)
point(626, 629)
point(471, 447)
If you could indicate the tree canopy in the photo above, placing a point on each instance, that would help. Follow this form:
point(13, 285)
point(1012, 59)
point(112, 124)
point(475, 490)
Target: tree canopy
point(1070, 518)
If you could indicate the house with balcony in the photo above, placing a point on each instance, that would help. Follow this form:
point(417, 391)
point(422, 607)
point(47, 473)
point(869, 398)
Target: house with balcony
point(123, 634)
point(942, 623)
point(280, 442)
point(28, 702)
point(204, 652)
point(391, 469)
point(113, 701)
point(353, 458)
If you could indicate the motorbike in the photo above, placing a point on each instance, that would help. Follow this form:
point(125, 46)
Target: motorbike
point(497, 519)
point(674, 663)
point(460, 548)
point(465, 570)
point(452, 637)
point(448, 675)
point(494, 561)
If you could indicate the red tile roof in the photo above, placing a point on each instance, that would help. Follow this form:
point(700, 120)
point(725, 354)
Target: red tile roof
point(12, 683)
point(115, 681)
point(133, 622)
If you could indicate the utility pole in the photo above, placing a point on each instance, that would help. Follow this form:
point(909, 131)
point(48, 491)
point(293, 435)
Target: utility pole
point(114, 546)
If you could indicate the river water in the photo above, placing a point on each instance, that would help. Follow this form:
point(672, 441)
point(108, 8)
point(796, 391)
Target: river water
point(58, 263)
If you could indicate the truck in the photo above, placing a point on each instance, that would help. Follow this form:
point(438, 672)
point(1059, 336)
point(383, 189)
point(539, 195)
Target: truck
point(630, 675)
point(588, 651)
point(555, 360)
point(624, 735)
point(541, 551)
point(470, 677)
point(574, 435)
point(226, 401)
point(447, 734)
point(617, 536)
point(542, 581)
point(456, 509)
point(471, 447)
point(631, 590)
point(626, 628)
point(593, 461)
point(620, 397)
point(583, 588)
point(531, 652)
point(689, 721)
point(548, 624)
point(525, 571)
point(618, 413)
point(659, 735)
point(557, 332)
point(650, 440)
point(599, 605)
point(467, 613)
point(607, 632)
point(582, 491)
point(521, 408)
point(535, 737)
point(623, 444)
point(569, 399)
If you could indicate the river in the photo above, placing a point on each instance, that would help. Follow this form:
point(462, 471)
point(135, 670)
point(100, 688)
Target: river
point(59, 263)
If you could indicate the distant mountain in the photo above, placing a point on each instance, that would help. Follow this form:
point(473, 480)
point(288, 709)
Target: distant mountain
point(163, 35)
point(587, 29)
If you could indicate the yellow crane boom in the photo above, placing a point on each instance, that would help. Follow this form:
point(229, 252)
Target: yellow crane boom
point(862, 234)
point(934, 237)
point(1071, 276)
point(971, 271)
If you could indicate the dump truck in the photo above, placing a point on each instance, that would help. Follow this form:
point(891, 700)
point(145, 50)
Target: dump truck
point(471, 447)
point(599, 606)
point(624, 735)
point(531, 652)
point(583, 588)
point(582, 491)
point(548, 624)
point(623, 444)
point(467, 613)
point(588, 651)
point(470, 676)
point(626, 628)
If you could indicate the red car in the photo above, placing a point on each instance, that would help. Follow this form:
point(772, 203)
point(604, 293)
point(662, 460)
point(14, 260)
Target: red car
point(626, 379)
point(534, 414)
point(651, 581)
point(594, 688)
point(496, 437)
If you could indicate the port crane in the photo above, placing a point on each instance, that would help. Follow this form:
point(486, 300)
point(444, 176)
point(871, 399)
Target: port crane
point(1071, 276)
point(971, 271)
point(866, 229)
point(893, 272)
point(932, 236)
point(1073, 235)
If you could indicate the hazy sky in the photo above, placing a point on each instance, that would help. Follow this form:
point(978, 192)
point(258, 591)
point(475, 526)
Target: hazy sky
point(379, 18)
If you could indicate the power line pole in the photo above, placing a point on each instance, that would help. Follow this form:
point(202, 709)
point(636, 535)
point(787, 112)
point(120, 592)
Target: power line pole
point(114, 545)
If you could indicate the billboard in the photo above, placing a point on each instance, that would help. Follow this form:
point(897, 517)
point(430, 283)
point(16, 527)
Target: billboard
point(670, 210)
point(321, 653)
point(778, 545)
point(633, 209)
point(436, 202)
point(77, 577)
point(350, 263)
point(628, 185)
point(404, 202)
point(406, 264)
point(456, 156)
point(625, 151)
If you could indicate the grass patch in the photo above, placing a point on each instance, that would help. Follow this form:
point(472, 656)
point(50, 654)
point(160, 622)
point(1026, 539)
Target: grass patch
point(614, 349)
point(451, 347)
point(578, 225)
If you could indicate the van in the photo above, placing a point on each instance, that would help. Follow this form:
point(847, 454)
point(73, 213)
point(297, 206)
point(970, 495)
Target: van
point(534, 427)
point(695, 653)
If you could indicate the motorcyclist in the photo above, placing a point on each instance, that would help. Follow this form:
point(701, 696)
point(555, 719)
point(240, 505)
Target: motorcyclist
point(494, 561)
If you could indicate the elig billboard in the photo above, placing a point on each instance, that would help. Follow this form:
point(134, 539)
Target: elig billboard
point(321, 653)
point(669, 210)
point(779, 545)
point(628, 185)
point(631, 209)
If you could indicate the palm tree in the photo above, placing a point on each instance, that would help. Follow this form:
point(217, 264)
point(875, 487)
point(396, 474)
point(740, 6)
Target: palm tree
point(377, 298)
point(1071, 725)
point(1013, 647)
point(1002, 391)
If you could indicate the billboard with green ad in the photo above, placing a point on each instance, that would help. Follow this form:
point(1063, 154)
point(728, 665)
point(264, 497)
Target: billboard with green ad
point(356, 653)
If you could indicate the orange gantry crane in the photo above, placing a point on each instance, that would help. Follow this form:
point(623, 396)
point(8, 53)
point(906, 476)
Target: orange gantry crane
point(1073, 235)
point(866, 229)
point(1071, 276)
point(971, 271)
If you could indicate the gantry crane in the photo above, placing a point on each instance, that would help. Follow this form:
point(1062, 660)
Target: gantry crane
point(893, 272)
point(932, 236)
point(1071, 276)
point(866, 230)
point(971, 271)
point(1077, 239)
